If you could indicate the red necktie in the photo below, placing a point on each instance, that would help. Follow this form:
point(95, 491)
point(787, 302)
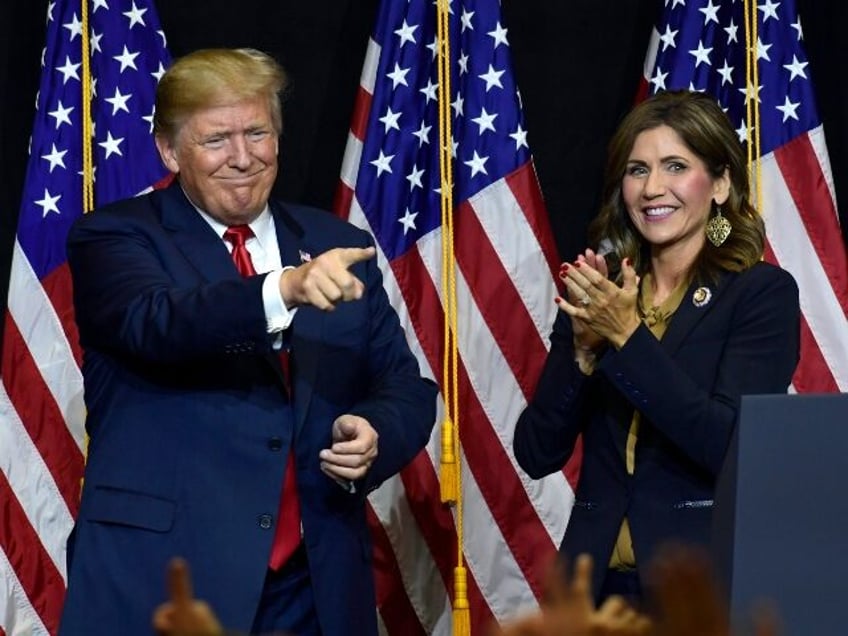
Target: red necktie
point(287, 533)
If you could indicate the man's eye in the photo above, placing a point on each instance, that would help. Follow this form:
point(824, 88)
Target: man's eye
point(257, 135)
point(214, 142)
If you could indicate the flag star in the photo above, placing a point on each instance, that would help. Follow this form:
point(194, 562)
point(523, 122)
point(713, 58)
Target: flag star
point(406, 33)
point(61, 114)
point(477, 164)
point(48, 203)
point(149, 118)
point(658, 80)
point(93, 173)
point(398, 76)
point(701, 54)
point(135, 16)
point(434, 47)
point(796, 69)
point(742, 132)
point(94, 42)
point(750, 89)
point(68, 70)
point(390, 119)
point(98, 4)
point(680, 2)
point(94, 87)
point(788, 109)
point(55, 157)
point(119, 101)
point(50, 7)
point(161, 34)
point(74, 27)
point(43, 53)
point(423, 134)
point(466, 20)
point(520, 136)
point(126, 59)
point(769, 10)
point(454, 146)
point(112, 145)
point(457, 105)
point(429, 90)
point(731, 30)
point(463, 64)
point(667, 38)
point(485, 121)
point(492, 78)
point(725, 72)
point(414, 178)
point(158, 73)
point(408, 221)
point(710, 13)
point(797, 26)
point(762, 50)
point(499, 35)
point(383, 163)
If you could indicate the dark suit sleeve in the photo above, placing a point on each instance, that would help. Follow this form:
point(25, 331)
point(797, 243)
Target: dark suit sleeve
point(548, 428)
point(136, 295)
point(759, 355)
point(400, 404)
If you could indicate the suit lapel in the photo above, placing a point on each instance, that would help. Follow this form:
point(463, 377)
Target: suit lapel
point(193, 236)
point(308, 325)
point(698, 301)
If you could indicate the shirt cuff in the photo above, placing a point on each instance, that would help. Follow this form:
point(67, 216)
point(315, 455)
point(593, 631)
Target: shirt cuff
point(278, 317)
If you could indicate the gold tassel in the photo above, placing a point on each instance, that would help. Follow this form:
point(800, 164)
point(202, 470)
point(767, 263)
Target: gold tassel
point(448, 478)
point(461, 613)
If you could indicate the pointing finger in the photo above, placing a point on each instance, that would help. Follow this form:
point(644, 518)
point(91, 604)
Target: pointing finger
point(352, 255)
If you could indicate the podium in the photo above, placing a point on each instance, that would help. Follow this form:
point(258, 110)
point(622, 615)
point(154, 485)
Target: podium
point(780, 520)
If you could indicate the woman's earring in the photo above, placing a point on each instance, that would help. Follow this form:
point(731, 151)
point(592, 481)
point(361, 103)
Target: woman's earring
point(718, 228)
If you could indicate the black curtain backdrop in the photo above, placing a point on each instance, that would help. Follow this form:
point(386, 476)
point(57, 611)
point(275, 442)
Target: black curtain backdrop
point(577, 63)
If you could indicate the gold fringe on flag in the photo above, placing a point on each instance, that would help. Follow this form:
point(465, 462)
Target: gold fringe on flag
point(87, 125)
point(450, 473)
point(752, 102)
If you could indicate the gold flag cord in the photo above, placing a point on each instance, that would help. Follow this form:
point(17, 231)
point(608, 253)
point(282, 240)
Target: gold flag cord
point(87, 124)
point(450, 474)
point(752, 102)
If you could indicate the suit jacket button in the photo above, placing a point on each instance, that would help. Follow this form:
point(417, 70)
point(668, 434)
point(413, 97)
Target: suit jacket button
point(265, 521)
point(275, 444)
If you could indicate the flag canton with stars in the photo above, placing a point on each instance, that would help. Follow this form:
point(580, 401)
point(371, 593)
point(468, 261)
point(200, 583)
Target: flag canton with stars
point(399, 182)
point(702, 47)
point(127, 57)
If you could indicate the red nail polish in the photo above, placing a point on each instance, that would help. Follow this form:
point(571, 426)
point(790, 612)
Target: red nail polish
point(626, 261)
point(577, 264)
point(563, 269)
point(557, 300)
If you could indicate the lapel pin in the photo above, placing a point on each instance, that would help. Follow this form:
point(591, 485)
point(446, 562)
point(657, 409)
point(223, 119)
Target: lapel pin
point(701, 296)
point(305, 257)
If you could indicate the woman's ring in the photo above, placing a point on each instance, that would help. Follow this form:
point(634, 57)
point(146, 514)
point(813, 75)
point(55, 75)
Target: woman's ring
point(586, 301)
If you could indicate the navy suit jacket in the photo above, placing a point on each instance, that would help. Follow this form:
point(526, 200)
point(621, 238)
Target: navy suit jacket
point(744, 340)
point(184, 394)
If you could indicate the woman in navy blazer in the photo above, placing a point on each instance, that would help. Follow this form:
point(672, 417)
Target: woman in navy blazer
point(664, 325)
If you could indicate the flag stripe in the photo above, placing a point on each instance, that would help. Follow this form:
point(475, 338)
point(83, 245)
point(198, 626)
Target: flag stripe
point(47, 344)
point(397, 612)
point(39, 578)
point(805, 180)
point(18, 614)
point(40, 415)
point(525, 188)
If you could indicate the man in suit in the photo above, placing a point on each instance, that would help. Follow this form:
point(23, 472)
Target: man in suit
point(241, 363)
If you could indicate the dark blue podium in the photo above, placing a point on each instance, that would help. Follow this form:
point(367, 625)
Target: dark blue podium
point(780, 527)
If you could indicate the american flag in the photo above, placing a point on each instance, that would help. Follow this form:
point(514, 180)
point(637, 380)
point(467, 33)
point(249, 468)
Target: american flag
point(505, 256)
point(42, 437)
point(700, 45)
